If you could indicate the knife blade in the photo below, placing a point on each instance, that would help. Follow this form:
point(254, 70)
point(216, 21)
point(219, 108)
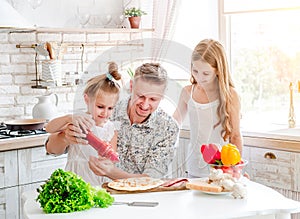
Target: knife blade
point(139, 204)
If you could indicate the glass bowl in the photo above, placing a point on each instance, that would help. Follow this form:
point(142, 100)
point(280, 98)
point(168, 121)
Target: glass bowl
point(236, 171)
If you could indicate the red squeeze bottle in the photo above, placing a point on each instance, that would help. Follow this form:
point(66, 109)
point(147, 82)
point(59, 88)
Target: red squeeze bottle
point(104, 149)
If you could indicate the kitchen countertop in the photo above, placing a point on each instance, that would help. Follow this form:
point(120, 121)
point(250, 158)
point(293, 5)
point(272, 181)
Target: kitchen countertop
point(262, 202)
point(277, 137)
point(22, 142)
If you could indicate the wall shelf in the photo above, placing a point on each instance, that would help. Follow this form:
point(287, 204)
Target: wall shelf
point(79, 30)
point(91, 30)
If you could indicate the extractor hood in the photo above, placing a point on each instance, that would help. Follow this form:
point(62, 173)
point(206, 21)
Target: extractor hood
point(12, 19)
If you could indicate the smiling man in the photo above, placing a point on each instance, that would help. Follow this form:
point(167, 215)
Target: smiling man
point(146, 135)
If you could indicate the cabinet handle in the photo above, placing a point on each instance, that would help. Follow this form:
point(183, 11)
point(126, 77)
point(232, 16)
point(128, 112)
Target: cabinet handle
point(270, 155)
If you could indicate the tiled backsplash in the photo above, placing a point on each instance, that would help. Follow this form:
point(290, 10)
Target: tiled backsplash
point(17, 65)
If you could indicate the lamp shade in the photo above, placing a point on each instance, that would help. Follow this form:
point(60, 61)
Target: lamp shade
point(10, 18)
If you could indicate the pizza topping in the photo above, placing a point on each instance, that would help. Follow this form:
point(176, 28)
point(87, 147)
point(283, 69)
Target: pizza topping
point(172, 182)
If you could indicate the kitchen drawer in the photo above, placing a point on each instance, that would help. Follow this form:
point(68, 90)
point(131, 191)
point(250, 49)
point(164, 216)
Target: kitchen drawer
point(36, 166)
point(273, 168)
point(8, 169)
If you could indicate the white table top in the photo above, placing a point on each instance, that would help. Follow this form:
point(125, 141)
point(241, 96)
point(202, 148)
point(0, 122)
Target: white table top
point(262, 202)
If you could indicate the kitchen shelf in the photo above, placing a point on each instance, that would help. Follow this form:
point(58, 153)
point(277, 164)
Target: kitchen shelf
point(91, 30)
point(81, 30)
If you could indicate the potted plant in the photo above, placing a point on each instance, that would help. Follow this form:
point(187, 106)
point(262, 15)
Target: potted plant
point(134, 16)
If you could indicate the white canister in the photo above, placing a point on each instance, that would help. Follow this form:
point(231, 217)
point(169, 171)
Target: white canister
point(52, 73)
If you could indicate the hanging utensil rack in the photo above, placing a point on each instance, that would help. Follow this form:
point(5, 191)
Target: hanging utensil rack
point(82, 46)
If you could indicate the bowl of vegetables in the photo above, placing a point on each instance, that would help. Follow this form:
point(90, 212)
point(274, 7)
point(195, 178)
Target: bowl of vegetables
point(228, 159)
point(236, 171)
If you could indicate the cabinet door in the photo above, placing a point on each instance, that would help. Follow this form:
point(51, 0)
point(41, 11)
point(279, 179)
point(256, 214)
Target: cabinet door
point(22, 190)
point(273, 168)
point(9, 203)
point(8, 169)
point(36, 166)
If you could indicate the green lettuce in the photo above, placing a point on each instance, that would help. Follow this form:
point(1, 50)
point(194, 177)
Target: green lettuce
point(67, 192)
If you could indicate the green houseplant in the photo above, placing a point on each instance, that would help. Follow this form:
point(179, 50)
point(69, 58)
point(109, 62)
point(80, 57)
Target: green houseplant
point(134, 16)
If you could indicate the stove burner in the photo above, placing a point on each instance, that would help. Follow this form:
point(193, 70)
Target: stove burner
point(20, 133)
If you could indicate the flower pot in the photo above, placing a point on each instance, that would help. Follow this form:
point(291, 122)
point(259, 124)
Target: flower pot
point(134, 22)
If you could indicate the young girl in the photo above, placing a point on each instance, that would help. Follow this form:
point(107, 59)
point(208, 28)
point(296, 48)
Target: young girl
point(212, 104)
point(100, 95)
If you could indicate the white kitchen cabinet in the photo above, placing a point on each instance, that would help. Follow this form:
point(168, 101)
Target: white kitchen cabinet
point(8, 169)
point(277, 169)
point(274, 168)
point(9, 203)
point(22, 170)
point(35, 165)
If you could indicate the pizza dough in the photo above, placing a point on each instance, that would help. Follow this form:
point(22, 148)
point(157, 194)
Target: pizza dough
point(135, 184)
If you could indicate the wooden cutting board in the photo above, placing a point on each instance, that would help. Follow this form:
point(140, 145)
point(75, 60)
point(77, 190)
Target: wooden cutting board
point(176, 187)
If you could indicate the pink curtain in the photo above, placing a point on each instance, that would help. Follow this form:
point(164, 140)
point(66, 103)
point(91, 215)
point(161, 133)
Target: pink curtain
point(164, 19)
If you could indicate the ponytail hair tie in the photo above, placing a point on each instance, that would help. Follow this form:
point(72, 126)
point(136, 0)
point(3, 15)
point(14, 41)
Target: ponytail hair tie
point(109, 76)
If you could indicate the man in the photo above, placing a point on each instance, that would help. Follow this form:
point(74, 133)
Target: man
point(147, 135)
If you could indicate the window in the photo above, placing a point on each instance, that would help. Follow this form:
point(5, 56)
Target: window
point(262, 39)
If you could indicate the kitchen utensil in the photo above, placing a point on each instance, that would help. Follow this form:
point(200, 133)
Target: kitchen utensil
point(50, 50)
point(39, 48)
point(45, 108)
point(139, 204)
point(25, 124)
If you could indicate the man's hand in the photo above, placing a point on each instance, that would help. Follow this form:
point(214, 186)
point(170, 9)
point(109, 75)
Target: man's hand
point(101, 166)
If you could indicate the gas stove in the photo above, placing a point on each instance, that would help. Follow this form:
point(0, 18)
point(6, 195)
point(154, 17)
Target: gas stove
point(5, 133)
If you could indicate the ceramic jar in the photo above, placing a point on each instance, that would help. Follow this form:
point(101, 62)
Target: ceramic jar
point(46, 108)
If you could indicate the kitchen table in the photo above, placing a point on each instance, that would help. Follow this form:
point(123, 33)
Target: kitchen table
point(261, 202)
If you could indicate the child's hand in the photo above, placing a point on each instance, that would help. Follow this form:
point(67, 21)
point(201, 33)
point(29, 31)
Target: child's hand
point(83, 121)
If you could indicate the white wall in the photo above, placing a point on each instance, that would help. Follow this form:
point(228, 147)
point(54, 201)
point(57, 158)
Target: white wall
point(62, 13)
point(196, 20)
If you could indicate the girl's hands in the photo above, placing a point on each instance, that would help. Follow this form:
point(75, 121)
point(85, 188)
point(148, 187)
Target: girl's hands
point(77, 128)
point(83, 121)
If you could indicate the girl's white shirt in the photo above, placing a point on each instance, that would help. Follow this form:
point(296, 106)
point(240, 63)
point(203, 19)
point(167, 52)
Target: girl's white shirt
point(202, 119)
point(78, 155)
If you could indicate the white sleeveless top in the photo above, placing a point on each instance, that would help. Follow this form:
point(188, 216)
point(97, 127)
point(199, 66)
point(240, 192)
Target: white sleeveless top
point(78, 155)
point(202, 118)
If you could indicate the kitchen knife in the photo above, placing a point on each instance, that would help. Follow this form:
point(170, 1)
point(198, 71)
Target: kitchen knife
point(139, 204)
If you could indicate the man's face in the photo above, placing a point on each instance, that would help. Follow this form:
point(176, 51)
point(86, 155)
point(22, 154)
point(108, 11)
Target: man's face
point(145, 99)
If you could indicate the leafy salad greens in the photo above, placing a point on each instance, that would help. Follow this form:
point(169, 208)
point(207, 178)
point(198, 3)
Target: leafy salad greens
point(67, 192)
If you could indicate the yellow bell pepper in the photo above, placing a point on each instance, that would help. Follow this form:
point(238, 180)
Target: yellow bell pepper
point(230, 155)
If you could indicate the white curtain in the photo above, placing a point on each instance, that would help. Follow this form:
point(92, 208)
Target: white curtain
point(164, 18)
